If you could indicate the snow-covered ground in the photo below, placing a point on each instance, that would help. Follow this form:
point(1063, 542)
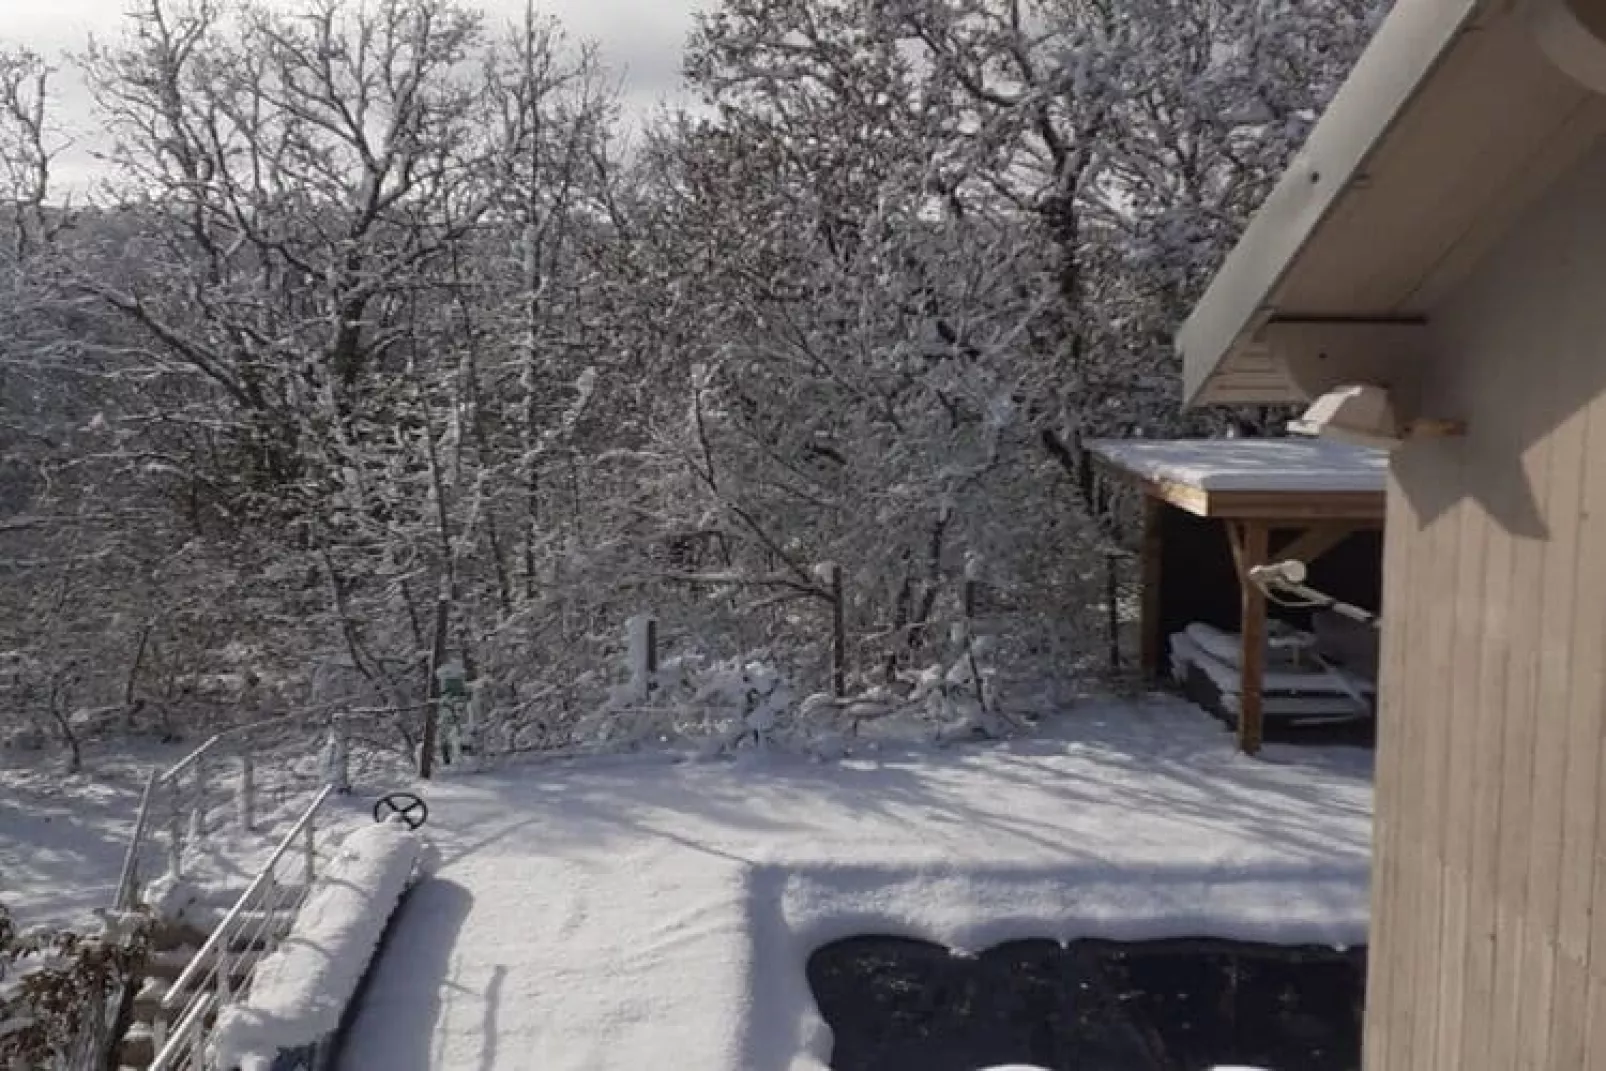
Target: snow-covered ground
point(643, 913)
point(62, 836)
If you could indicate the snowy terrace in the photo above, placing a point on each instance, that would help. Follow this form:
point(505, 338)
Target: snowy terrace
point(640, 912)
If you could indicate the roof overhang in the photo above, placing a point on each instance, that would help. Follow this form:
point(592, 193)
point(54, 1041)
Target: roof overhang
point(1292, 481)
point(1457, 116)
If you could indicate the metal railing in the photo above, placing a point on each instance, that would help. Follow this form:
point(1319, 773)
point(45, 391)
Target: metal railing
point(223, 967)
point(180, 801)
point(181, 798)
point(128, 879)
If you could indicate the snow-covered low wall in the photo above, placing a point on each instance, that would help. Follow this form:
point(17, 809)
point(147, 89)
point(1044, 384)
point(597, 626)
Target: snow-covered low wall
point(302, 989)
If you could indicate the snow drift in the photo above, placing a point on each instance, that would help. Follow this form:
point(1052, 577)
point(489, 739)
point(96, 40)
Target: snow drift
point(302, 989)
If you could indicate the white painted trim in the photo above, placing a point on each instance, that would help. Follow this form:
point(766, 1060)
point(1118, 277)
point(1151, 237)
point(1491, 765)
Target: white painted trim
point(1392, 71)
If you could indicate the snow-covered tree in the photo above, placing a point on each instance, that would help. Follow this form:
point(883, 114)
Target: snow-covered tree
point(374, 347)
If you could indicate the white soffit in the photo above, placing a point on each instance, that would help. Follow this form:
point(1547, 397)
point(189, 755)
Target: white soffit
point(1384, 203)
point(1393, 68)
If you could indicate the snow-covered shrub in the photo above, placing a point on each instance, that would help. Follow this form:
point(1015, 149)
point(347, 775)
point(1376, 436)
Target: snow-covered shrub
point(721, 703)
point(724, 705)
point(63, 995)
point(957, 697)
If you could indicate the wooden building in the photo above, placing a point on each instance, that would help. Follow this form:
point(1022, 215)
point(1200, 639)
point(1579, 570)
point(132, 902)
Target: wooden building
point(1213, 508)
point(1440, 244)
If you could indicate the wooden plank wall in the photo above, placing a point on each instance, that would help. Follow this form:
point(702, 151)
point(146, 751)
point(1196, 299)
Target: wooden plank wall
point(1488, 953)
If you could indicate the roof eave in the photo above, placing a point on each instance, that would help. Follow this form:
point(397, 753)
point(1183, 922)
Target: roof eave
point(1390, 73)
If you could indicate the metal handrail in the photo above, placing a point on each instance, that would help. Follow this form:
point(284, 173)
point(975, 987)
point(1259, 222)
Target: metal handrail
point(128, 878)
point(211, 964)
point(168, 782)
point(224, 931)
point(194, 1020)
point(175, 771)
point(221, 735)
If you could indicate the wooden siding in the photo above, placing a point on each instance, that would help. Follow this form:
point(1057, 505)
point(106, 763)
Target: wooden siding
point(1488, 951)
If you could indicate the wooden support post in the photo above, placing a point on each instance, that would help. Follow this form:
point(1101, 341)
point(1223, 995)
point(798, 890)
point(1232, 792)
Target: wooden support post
point(641, 656)
point(1150, 639)
point(1249, 550)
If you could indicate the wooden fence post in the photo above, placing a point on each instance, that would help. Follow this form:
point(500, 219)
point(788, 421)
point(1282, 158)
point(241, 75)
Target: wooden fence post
point(651, 667)
point(432, 689)
point(641, 643)
point(839, 634)
point(1112, 609)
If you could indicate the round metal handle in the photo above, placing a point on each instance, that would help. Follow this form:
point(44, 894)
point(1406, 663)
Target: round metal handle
point(413, 810)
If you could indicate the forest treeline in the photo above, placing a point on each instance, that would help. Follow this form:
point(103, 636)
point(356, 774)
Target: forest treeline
point(382, 336)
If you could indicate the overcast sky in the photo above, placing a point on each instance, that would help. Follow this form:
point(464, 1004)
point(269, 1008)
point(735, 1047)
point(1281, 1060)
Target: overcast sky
point(640, 39)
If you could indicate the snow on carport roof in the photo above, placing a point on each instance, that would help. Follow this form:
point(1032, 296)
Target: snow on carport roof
point(1263, 465)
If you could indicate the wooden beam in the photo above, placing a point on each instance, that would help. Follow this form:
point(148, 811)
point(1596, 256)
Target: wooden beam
point(1189, 499)
point(1235, 540)
point(1248, 540)
point(1361, 507)
point(1315, 541)
point(1149, 558)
